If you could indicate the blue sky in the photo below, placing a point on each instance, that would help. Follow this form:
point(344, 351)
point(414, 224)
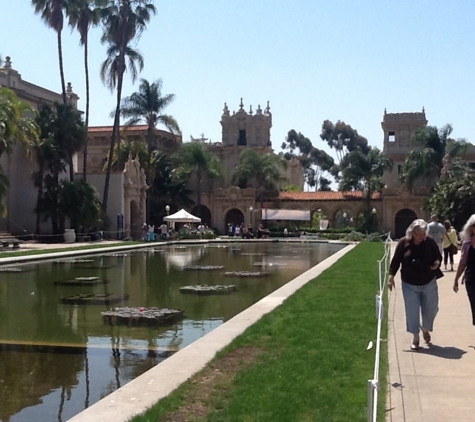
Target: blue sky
point(311, 59)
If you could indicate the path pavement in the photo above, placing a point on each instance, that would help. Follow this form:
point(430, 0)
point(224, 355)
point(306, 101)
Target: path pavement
point(437, 383)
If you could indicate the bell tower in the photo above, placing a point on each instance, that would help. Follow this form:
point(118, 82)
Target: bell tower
point(398, 129)
point(246, 129)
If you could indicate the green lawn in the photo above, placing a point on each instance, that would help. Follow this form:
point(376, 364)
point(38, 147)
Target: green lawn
point(305, 361)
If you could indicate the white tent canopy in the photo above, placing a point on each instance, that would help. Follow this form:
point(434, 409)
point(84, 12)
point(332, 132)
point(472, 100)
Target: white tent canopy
point(294, 215)
point(182, 216)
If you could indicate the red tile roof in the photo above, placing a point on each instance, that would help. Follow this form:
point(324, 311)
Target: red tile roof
point(97, 129)
point(325, 196)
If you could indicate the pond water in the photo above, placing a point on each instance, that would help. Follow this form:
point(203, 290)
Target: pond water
point(58, 359)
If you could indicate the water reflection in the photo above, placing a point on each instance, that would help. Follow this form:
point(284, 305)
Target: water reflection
point(58, 359)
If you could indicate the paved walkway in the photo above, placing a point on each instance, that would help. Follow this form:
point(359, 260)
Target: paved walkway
point(437, 383)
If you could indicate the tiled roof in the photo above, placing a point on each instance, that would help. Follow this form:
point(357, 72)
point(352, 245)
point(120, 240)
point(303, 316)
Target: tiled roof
point(325, 196)
point(98, 129)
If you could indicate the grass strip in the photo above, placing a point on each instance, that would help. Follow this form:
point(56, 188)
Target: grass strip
point(305, 361)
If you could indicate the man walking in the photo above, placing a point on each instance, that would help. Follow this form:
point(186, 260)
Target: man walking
point(436, 230)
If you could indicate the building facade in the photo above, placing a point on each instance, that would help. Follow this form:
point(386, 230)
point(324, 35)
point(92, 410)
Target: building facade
point(221, 202)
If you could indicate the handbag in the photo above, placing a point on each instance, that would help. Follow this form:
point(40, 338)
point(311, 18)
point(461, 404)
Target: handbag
point(453, 248)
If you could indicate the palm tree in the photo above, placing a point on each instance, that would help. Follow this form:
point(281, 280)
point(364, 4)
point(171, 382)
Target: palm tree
point(16, 125)
point(70, 133)
point(264, 170)
point(194, 159)
point(52, 14)
point(365, 171)
point(425, 161)
point(123, 150)
point(82, 15)
point(61, 135)
point(124, 21)
point(147, 105)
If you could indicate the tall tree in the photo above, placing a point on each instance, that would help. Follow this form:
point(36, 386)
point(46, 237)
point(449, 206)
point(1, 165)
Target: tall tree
point(343, 139)
point(83, 14)
point(425, 161)
point(166, 188)
point(315, 162)
point(365, 172)
point(70, 133)
point(124, 22)
point(147, 106)
point(194, 159)
point(61, 135)
point(262, 169)
point(51, 12)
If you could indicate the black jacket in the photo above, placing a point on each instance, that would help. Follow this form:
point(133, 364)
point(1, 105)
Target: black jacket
point(415, 261)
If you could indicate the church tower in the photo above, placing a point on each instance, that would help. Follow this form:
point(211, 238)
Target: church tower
point(398, 129)
point(245, 129)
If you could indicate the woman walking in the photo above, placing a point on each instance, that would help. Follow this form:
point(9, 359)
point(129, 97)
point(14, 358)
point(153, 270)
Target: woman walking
point(449, 240)
point(467, 263)
point(419, 257)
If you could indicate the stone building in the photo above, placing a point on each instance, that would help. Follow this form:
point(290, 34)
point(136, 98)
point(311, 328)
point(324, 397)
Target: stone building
point(222, 203)
point(20, 200)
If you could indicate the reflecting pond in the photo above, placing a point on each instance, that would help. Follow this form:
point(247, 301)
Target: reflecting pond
point(58, 359)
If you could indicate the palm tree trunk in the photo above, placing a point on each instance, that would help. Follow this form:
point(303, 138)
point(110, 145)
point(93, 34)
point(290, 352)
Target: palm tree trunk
point(114, 139)
point(86, 71)
point(61, 69)
point(71, 168)
point(38, 200)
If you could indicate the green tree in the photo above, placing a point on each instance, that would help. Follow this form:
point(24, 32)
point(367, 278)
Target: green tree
point(51, 12)
point(82, 15)
point(70, 133)
point(424, 162)
point(343, 139)
point(62, 134)
point(453, 198)
point(166, 188)
point(78, 201)
point(315, 162)
point(124, 22)
point(262, 169)
point(194, 159)
point(136, 150)
point(16, 125)
point(365, 172)
point(147, 106)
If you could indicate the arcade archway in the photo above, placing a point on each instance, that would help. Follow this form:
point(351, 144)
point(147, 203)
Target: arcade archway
point(233, 216)
point(403, 218)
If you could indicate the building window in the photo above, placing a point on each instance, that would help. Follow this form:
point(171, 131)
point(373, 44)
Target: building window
point(400, 169)
point(392, 136)
point(242, 138)
point(471, 165)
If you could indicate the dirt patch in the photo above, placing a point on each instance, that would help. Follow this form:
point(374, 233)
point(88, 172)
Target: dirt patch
point(211, 382)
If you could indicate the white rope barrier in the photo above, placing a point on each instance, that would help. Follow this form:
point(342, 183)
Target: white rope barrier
point(373, 384)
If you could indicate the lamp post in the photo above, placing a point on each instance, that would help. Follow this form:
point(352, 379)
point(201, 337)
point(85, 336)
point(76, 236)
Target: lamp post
point(167, 209)
point(250, 216)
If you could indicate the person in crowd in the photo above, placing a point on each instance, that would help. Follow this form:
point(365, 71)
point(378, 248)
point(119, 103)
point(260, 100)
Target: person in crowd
point(164, 231)
point(450, 238)
point(419, 257)
point(436, 230)
point(467, 263)
point(151, 233)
